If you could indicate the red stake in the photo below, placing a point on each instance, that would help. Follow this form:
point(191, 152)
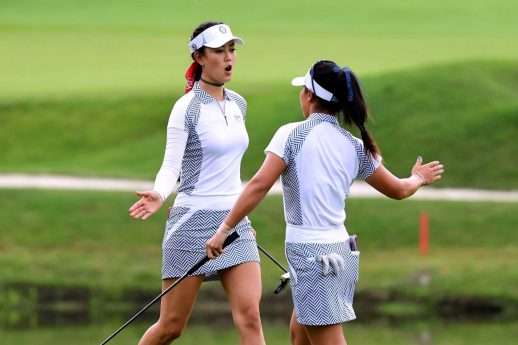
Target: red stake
point(423, 233)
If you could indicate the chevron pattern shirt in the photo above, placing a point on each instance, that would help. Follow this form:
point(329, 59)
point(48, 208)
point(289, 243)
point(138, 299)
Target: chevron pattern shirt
point(216, 141)
point(322, 159)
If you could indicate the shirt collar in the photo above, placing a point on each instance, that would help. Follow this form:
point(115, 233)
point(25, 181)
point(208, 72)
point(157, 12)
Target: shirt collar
point(204, 96)
point(323, 117)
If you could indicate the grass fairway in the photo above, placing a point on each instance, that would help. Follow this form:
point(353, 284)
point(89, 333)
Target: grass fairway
point(87, 239)
point(87, 86)
point(74, 48)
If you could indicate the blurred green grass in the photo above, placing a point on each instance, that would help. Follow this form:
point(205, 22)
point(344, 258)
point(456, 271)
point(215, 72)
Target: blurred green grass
point(463, 114)
point(441, 333)
point(88, 239)
point(74, 48)
point(87, 88)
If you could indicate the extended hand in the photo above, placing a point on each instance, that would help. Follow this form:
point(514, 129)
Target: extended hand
point(429, 173)
point(335, 260)
point(147, 205)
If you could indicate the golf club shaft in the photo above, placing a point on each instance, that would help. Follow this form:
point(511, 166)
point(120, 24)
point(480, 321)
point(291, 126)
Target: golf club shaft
point(197, 265)
point(272, 258)
point(231, 238)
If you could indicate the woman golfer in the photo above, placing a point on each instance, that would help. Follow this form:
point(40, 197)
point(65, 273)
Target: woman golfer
point(318, 160)
point(206, 138)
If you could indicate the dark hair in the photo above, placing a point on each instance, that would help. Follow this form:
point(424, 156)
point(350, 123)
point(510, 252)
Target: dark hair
point(353, 111)
point(199, 29)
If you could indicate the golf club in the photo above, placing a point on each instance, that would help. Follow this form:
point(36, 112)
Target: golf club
point(231, 238)
point(285, 278)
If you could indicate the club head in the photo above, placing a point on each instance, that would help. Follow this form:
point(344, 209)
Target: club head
point(285, 279)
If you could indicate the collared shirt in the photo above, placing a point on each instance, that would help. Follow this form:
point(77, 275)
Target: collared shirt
point(322, 161)
point(216, 141)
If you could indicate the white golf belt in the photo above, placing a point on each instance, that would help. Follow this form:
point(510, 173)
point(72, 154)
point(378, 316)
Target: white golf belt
point(211, 202)
point(302, 234)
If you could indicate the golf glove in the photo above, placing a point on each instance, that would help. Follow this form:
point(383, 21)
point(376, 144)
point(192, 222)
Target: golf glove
point(333, 259)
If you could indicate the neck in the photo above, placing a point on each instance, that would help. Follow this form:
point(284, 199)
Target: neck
point(213, 89)
point(211, 83)
point(315, 108)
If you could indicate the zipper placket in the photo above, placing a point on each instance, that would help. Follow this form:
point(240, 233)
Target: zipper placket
point(225, 116)
point(222, 111)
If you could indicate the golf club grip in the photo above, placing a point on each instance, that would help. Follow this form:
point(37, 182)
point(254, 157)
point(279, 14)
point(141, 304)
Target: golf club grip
point(230, 238)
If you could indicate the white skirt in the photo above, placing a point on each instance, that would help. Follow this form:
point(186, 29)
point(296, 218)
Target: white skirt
point(187, 231)
point(322, 300)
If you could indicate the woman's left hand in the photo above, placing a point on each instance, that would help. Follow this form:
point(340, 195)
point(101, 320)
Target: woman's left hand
point(214, 246)
point(428, 173)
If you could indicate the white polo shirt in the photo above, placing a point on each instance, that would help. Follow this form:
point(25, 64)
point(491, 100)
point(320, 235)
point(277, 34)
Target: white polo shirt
point(322, 161)
point(216, 141)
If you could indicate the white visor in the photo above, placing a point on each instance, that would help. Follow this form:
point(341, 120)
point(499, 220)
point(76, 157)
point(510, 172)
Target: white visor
point(213, 37)
point(319, 91)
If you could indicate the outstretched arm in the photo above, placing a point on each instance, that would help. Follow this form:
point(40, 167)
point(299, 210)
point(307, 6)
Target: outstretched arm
point(152, 200)
point(250, 197)
point(400, 188)
point(149, 203)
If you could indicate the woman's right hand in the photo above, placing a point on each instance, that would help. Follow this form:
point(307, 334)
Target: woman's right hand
point(147, 205)
point(429, 173)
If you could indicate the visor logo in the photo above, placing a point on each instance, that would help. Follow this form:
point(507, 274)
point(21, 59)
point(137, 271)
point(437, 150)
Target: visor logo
point(194, 47)
point(222, 29)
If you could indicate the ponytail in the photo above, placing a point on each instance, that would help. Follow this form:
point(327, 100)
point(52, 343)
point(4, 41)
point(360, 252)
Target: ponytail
point(192, 75)
point(348, 101)
point(368, 141)
point(354, 108)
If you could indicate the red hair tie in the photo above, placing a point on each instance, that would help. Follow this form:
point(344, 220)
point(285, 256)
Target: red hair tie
point(190, 75)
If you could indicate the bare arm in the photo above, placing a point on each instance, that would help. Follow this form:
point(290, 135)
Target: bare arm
point(400, 188)
point(250, 197)
point(256, 189)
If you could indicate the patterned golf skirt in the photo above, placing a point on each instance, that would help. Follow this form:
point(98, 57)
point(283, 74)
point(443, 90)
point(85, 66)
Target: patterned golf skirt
point(322, 300)
point(187, 231)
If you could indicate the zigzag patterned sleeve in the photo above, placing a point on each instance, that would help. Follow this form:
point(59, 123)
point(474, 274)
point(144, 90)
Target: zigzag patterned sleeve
point(367, 163)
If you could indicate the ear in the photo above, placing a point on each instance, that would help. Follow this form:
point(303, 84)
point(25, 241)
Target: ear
point(310, 96)
point(198, 57)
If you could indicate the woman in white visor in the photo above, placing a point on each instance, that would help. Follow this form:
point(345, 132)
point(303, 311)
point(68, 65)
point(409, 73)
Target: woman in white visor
point(206, 139)
point(318, 160)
